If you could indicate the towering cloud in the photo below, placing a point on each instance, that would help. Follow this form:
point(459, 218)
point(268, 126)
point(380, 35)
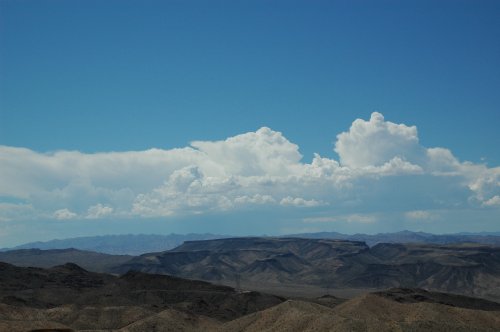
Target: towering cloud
point(260, 153)
point(382, 168)
point(376, 142)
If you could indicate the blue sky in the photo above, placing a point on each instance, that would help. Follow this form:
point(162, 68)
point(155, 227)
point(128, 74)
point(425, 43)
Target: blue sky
point(96, 77)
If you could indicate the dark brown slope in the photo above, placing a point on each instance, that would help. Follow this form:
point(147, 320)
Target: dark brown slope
point(38, 298)
point(70, 284)
point(416, 295)
point(199, 297)
point(73, 295)
point(256, 260)
point(372, 312)
point(44, 288)
point(466, 269)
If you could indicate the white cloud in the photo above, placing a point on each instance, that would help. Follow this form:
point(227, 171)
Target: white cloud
point(99, 211)
point(376, 142)
point(300, 202)
point(186, 190)
point(255, 199)
point(494, 201)
point(382, 166)
point(349, 218)
point(395, 166)
point(264, 152)
point(421, 215)
point(441, 161)
point(64, 214)
point(483, 181)
point(321, 219)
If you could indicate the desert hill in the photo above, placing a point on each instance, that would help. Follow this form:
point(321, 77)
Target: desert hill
point(371, 312)
point(468, 269)
point(69, 298)
point(270, 260)
point(283, 265)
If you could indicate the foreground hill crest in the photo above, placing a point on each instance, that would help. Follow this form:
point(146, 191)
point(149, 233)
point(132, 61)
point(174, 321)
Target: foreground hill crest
point(69, 298)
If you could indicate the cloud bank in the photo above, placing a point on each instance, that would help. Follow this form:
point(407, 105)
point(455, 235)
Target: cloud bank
point(382, 167)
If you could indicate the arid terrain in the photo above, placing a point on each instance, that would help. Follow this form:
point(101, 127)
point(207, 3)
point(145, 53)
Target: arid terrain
point(255, 284)
point(468, 269)
point(68, 298)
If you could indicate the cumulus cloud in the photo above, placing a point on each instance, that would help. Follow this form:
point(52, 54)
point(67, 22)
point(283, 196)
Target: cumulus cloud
point(483, 181)
point(381, 166)
point(300, 202)
point(264, 152)
point(99, 211)
point(188, 190)
point(441, 161)
point(255, 199)
point(376, 142)
point(64, 214)
point(494, 201)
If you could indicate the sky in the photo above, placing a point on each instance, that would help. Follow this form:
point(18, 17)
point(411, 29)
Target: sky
point(248, 117)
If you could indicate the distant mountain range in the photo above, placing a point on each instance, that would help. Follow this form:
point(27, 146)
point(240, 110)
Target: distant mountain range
point(146, 243)
point(129, 244)
point(90, 260)
point(408, 237)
